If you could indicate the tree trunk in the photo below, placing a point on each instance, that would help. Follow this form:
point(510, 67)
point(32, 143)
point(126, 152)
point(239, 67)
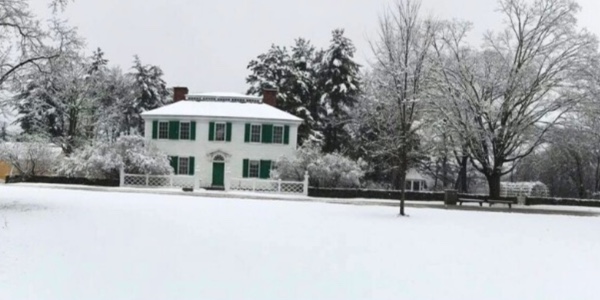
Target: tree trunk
point(462, 181)
point(494, 185)
point(403, 169)
point(597, 177)
point(445, 171)
point(402, 192)
point(436, 177)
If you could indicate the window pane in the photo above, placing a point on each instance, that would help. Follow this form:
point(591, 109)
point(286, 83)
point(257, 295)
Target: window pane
point(184, 166)
point(184, 131)
point(255, 134)
point(254, 169)
point(163, 130)
point(278, 135)
point(408, 185)
point(220, 132)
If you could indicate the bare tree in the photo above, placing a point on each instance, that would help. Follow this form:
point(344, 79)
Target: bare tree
point(504, 98)
point(403, 51)
point(24, 39)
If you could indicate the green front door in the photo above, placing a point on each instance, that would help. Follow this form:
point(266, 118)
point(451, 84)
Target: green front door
point(218, 177)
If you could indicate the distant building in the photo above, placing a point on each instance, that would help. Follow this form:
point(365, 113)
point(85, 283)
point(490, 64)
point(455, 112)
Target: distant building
point(415, 182)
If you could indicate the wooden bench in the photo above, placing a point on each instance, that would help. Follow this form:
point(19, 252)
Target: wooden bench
point(468, 200)
point(509, 202)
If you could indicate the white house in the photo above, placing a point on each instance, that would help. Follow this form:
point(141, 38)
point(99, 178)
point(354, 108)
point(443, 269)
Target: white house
point(213, 133)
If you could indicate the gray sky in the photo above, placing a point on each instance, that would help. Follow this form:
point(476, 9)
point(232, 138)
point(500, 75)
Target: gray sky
point(206, 45)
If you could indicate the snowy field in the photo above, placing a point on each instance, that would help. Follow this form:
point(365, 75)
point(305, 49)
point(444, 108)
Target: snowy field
point(67, 244)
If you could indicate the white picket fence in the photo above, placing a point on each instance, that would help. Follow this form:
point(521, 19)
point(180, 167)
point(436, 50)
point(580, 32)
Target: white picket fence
point(159, 181)
point(267, 185)
point(231, 184)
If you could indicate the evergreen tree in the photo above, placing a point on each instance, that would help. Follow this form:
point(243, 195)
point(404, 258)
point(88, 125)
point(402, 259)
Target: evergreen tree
point(305, 89)
point(294, 75)
point(149, 92)
point(340, 83)
point(270, 70)
point(98, 63)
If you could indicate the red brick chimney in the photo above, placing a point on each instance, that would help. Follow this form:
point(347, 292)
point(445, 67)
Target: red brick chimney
point(270, 97)
point(179, 93)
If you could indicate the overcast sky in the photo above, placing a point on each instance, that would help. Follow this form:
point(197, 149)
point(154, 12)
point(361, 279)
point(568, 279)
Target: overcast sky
point(206, 45)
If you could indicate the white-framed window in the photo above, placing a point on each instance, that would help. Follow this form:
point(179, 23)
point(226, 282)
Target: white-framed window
point(184, 130)
point(184, 166)
point(254, 169)
point(277, 134)
point(255, 132)
point(408, 185)
point(220, 131)
point(416, 186)
point(163, 130)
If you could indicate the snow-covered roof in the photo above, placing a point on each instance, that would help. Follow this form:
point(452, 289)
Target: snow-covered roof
point(218, 109)
point(413, 174)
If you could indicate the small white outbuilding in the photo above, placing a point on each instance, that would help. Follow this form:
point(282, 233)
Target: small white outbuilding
point(415, 182)
point(526, 189)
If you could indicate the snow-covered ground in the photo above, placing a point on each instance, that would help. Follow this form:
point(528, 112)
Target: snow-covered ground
point(75, 244)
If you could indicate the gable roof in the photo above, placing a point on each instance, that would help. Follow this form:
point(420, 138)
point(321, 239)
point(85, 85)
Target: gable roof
point(227, 110)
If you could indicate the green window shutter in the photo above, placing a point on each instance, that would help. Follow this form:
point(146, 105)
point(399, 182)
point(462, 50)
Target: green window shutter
point(247, 133)
point(265, 169)
point(267, 133)
point(154, 130)
point(211, 131)
point(192, 166)
point(228, 135)
point(174, 130)
point(245, 169)
point(286, 134)
point(175, 164)
point(193, 131)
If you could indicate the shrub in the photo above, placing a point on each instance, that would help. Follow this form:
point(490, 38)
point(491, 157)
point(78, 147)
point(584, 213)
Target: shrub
point(33, 155)
point(104, 160)
point(329, 170)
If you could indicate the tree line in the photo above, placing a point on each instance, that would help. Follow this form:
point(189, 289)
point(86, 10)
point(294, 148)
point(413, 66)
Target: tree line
point(522, 105)
point(76, 101)
point(431, 100)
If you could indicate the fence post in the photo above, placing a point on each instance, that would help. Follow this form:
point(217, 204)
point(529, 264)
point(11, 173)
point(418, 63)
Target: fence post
point(121, 176)
point(279, 186)
point(306, 183)
point(227, 180)
point(196, 180)
point(171, 180)
point(254, 185)
point(147, 180)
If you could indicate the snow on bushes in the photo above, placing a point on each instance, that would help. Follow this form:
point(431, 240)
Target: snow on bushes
point(103, 160)
point(329, 170)
point(32, 155)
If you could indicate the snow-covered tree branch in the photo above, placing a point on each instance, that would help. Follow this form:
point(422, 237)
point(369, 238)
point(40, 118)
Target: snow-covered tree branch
point(25, 42)
point(504, 98)
point(403, 53)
